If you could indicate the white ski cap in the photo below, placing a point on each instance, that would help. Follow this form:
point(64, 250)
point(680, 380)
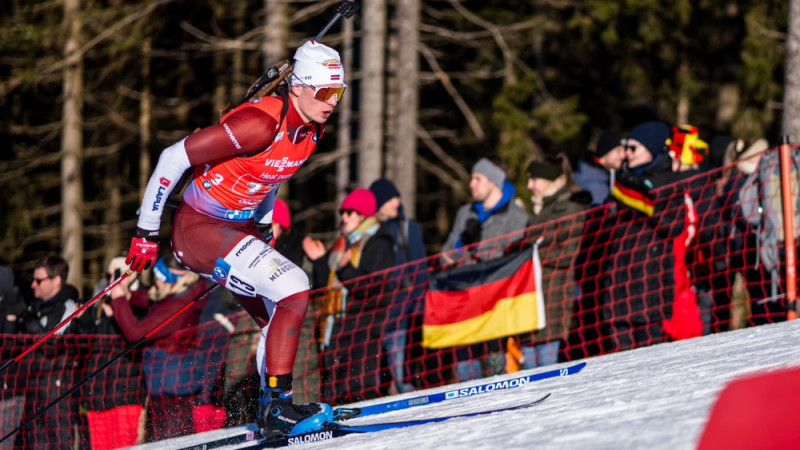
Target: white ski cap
point(316, 64)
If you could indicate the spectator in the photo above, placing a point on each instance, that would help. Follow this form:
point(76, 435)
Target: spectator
point(649, 223)
point(114, 398)
point(408, 299)
point(595, 172)
point(741, 160)
point(56, 365)
point(12, 305)
point(760, 206)
point(351, 333)
point(492, 213)
point(554, 196)
point(12, 399)
point(706, 256)
point(55, 300)
point(98, 318)
point(170, 358)
point(287, 241)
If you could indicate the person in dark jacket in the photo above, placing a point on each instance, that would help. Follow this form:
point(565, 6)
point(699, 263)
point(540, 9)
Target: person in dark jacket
point(287, 241)
point(407, 302)
point(649, 221)
point(355, 310)
point(55, 300)
point(57, 366)
point(12, 399)
point(555, 196)
point(595, 172)
point(12, 305)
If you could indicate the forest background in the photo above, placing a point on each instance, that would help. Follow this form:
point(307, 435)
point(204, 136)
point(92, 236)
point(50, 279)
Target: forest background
point(91, 91)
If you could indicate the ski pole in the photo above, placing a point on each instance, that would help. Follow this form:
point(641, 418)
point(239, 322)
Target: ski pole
point(346, 9)
point(277, 73)
point(119, 355)
point(80, 310)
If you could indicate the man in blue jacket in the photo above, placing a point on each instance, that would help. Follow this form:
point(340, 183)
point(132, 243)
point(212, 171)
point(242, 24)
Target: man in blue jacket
point(594, 173)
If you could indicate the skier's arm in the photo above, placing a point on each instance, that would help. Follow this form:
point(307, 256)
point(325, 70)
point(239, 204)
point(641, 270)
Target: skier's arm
point(172, 163)
point(248, 130)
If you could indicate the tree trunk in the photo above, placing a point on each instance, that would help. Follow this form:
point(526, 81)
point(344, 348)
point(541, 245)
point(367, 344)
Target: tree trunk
point(145, 119)
point(344, 110)
point(682, 114)
point(371, 119)
point(276, 37)
point(72, 147)
point(402, 162)
point(238, 86)
point(791, 90)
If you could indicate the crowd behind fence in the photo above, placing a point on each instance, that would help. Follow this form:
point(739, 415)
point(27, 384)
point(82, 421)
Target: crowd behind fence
point(622, 280)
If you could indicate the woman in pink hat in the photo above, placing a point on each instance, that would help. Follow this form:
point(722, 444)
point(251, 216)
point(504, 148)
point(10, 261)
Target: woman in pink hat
point(350, 329)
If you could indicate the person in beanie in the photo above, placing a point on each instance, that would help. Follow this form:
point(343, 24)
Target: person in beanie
point(351, 353)
point(554, 195)
point(287, 241)
point(653, 229)
point(491, 214)
point(238, 166)
point(408, 246)
point(594, 173)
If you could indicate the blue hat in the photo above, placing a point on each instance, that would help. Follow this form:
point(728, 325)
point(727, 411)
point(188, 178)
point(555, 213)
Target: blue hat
point(162, 272)
point(653, 135)
point(384, 190)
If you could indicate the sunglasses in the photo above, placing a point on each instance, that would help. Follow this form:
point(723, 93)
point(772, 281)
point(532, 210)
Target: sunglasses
point(324, 94)
point(631, 148)
point(347, 212)
point(39, 280)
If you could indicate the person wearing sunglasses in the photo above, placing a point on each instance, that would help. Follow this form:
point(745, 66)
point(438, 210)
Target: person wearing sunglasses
point(55, 299)
point(351, 320)
point(654, 229)
point(596, 170)
point(222, 224)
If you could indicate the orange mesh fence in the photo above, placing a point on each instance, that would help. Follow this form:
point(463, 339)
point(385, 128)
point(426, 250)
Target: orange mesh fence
point(709, 259)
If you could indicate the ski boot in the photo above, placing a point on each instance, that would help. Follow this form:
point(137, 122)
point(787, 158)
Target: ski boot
point(278, 416)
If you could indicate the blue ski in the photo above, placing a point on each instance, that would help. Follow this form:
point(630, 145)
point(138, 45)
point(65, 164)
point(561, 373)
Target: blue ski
point(491, 386)
point(339, 430)
point(251, 432)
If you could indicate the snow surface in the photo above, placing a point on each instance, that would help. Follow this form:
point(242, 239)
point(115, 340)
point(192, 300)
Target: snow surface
point(654, 397)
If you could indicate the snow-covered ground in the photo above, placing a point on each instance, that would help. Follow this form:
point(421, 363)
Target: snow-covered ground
point(655, 397)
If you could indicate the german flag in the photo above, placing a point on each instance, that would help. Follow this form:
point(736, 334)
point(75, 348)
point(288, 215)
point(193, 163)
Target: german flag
point(480, 302)
point(633, 198)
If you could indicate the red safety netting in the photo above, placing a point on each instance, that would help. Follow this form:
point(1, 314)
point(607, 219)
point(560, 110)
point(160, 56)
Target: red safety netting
point(709, 259)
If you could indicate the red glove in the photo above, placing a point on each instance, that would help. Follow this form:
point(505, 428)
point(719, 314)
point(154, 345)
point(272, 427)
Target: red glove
point(144, 250)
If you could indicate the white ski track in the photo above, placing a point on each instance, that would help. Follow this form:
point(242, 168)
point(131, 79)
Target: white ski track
point(656, 398)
